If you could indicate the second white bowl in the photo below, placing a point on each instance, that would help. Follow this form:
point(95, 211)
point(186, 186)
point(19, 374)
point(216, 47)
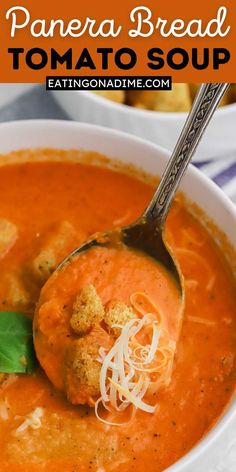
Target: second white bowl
point(159, 127)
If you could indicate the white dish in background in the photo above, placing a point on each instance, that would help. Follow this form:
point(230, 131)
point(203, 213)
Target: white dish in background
point(159, 127)
point(10, 92)
point(198, 188)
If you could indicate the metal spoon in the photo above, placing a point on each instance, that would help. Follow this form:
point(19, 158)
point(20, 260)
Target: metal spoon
point(147, 232)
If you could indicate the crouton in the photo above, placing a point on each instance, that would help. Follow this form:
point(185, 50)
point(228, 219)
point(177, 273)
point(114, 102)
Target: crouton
point(8, 236)
point(233, 86)
point(82, 368)
point(16, 296)
point(114, 95)
point(87, 310)
point(117, 313)
point(60, 242)
point(82, 372)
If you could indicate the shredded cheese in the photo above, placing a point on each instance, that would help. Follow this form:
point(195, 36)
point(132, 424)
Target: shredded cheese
point(33, 420)
point(143, 304)
point(131, 368)
point(124, 392)
point(4, 409)
point(194, 257)
point(191, 283)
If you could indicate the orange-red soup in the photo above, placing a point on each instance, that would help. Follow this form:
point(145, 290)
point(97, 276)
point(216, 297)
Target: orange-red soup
point(55, 206)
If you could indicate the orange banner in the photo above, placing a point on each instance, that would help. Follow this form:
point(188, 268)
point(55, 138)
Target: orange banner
point(190, 41)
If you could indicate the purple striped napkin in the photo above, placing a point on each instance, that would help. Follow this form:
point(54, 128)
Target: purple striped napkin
point(223, 173)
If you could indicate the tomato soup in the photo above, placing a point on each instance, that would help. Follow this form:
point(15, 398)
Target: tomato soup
point(119, 274)
point(48, 207)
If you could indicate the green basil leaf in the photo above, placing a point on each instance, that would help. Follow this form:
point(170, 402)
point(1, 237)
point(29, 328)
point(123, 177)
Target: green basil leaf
point(17, 353)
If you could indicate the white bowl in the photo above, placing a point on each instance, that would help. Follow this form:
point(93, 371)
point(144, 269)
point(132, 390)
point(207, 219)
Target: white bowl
point(68, 135)
point(159, 127)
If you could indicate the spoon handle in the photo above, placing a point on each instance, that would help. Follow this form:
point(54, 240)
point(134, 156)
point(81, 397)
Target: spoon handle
point(202, 110)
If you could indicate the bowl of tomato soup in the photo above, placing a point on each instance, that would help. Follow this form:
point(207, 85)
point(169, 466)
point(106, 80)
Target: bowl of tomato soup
point(61, 182)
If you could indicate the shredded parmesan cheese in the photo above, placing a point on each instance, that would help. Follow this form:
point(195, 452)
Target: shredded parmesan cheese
point(4, 409)
point(33, 420)
point(198, 319)
point(131, 368)
point(191, 283)
point(194, 257)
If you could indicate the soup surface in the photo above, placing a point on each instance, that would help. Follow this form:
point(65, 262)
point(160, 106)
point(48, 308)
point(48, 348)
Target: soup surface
point(51, 208)
point(126, 281)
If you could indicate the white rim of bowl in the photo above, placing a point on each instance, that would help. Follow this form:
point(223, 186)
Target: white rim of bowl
point(226, 416)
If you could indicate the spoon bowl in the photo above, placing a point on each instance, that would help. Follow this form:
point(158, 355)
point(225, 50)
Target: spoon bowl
point(146, 234)
point(141, 236)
